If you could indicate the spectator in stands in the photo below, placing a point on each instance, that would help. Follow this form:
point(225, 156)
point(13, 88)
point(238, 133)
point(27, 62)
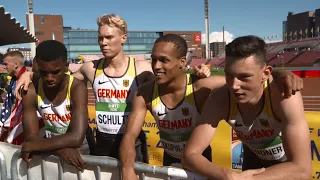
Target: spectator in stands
point(273, 130)
point(115, 73)
point(61, 101)
point(14, 64)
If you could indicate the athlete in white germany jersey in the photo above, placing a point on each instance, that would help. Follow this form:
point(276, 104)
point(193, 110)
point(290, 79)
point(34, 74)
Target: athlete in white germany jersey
point(175, 124)
point(272, 127)
point(113, 105)
point(56, 118)
point(62, 102)
point(113, 97)
point(263, 137)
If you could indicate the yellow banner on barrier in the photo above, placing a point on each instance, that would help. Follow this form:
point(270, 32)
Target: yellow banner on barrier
point(314, 126)
point(226, 148)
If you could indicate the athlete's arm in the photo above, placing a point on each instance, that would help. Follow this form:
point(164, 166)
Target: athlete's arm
point(24, 80)
point(133, 129)
point(79, 117)
point(72, 139)
point(287, 82)
point(144, 71)
point(204, 86)
point(295, 139)
point(214, 110)
point(30, 120)
point(213, 82)
point(81, 73)
point(84, 73)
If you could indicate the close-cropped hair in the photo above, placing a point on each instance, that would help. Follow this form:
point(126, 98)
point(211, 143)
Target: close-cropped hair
point(178, 41)
point(51, 50)
point(245, 46)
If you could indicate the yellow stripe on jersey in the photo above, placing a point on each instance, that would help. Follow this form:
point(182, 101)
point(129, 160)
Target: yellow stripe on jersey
point(189, 92)
point(41, 94)
point(188, 96)
point(69, 87)
point(100, 67)
point(131, 69)
point(267, 101)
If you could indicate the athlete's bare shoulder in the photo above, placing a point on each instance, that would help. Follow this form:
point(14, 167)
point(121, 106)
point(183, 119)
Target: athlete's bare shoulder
point(91, 65)
point(78, 84)
point(143, 65)
point(87, 70)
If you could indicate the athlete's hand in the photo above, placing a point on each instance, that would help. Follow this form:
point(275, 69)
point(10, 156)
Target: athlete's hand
point(129, 174)
point(26, 152)
point(246, 175)
point(288, 83)
point(202, 71)
point(24, 80)
point(71, 156)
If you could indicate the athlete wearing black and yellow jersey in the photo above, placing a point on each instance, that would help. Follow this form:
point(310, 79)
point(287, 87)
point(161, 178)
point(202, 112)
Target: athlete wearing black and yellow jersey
point(56, 97)
point(273, 129)
point(113, 104)
point(175, 101)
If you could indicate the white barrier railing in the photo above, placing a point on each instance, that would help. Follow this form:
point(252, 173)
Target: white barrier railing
point(47, 167)
point(3, 167)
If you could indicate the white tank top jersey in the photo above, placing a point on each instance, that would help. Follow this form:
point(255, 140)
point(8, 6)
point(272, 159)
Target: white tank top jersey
point(263, 137)
point(114, 96)
point(175, 124)
point(56, 118)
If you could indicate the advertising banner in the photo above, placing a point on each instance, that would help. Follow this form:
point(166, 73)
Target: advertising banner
point(197, 38)
point(226, 147)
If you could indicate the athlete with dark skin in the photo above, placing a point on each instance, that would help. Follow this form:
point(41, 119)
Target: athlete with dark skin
point(168, 57)
point(51, 57)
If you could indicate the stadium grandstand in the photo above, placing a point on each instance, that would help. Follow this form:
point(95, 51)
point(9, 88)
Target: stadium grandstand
point(301, 53)
point(11, 31)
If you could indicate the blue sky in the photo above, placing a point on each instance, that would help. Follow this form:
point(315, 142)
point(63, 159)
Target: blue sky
point(240, 17)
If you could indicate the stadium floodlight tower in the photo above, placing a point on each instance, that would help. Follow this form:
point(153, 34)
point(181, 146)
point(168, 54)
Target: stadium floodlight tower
point(206, 21)
point(31, 27)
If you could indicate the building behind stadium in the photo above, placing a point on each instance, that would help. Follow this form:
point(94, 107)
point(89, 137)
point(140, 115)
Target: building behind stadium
point(82, 42)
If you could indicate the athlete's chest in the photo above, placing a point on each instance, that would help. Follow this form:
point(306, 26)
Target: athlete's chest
point(179, 119)
point(263, 127)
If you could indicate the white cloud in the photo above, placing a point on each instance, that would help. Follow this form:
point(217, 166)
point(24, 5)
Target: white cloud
point(272, 41)
point(218, 37)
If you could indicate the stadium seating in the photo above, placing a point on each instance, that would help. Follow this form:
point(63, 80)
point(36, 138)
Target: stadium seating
point(283, 58)
point(295, 53)
point(271, 55)
point(216, 61)
point(196, 62)
point(306, 58)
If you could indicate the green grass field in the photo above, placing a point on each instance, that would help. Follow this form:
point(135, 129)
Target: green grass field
point(213, 72)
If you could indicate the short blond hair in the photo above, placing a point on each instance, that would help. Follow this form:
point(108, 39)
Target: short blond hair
point(113, 20)
point(19, 56)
